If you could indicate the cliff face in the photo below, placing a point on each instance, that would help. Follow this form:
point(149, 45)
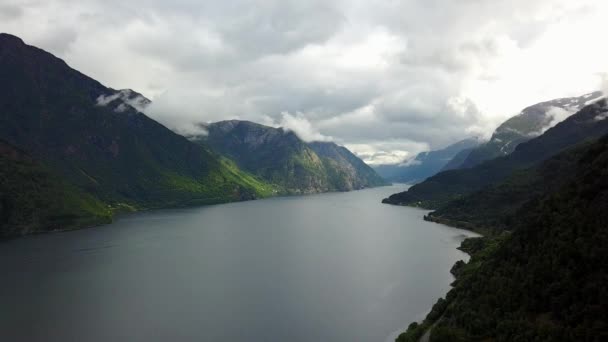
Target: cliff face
point(280, 157)
point(347, 169)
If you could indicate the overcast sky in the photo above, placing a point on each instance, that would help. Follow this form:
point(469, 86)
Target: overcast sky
point(386, 78)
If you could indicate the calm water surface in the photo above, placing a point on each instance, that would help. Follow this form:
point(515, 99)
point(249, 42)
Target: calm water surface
point(332, 267)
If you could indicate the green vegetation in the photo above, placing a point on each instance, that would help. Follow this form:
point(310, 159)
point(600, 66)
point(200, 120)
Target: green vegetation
point(545, 279)
point(494, 208)
point(346, 171)
point(108, 152)
point(33, 199)
point(280, 157)
point(450, 185)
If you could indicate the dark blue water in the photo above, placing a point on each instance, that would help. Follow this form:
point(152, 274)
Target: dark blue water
point(332, 267)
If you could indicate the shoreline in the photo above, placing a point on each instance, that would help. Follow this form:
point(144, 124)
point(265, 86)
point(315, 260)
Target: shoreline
point(121, 212)
point(424, 334)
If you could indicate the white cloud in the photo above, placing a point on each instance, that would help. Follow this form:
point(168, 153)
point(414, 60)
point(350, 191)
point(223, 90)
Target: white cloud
point(557, 115)
point(301, 127)
point(396, 151)
point(424, 72)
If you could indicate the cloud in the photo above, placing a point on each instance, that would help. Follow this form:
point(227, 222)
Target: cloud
point(394, 151)
point(556, 115)
point(10, 12)
point(298, 124)
point(604, 83)
point(385, 77)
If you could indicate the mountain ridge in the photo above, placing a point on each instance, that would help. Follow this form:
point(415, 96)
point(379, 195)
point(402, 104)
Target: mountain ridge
point(453, 184)
point(280, 157)
point(531, 122)
point(121, 157)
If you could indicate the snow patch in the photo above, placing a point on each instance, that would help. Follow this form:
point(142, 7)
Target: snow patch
point(126, 96)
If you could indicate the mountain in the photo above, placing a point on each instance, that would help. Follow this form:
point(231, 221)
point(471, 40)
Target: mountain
point(530, 123)
point(494, 208)
point(589, 123)
point(457, 161)
point(34, 199)
point(282, 158)
point(98, 142)
point(425, 164)
point(544, 281)
point(346, 170)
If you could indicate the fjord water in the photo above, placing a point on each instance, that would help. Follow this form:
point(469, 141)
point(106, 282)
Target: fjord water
point(330, 267)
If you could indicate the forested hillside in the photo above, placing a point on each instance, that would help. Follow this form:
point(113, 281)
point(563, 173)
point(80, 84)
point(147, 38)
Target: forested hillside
point(98, 143)
point(545, 280)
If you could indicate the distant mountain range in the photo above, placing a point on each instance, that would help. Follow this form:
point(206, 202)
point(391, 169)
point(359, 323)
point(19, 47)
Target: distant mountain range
point(280, 157)
point(425, 164)
point(93, 144)
point(587, 124)
point(530, 123)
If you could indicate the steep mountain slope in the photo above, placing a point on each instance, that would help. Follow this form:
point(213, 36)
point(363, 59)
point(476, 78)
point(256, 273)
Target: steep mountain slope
point(546, 280)
point(457, 161)
point(281, 158)
point(344, 168)
point(100, 143)
point(587, 124)
point(493, 209)
point(34, 199)
point(425, 164)
point(530, 123)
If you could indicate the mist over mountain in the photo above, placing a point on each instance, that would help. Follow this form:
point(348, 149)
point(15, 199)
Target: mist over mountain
point(425, 164)
point(93, 139)
point(587, 124)
point(255, 99)
point(280, 157)
point(530, 123)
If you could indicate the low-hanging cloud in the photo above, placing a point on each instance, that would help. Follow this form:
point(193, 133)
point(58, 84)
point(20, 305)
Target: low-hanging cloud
point(301, 127)
point(358, 72)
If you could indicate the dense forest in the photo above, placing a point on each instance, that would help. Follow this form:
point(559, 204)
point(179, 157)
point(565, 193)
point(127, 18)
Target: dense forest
point(545, 278)
point(494, 208)
point(34, 199)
